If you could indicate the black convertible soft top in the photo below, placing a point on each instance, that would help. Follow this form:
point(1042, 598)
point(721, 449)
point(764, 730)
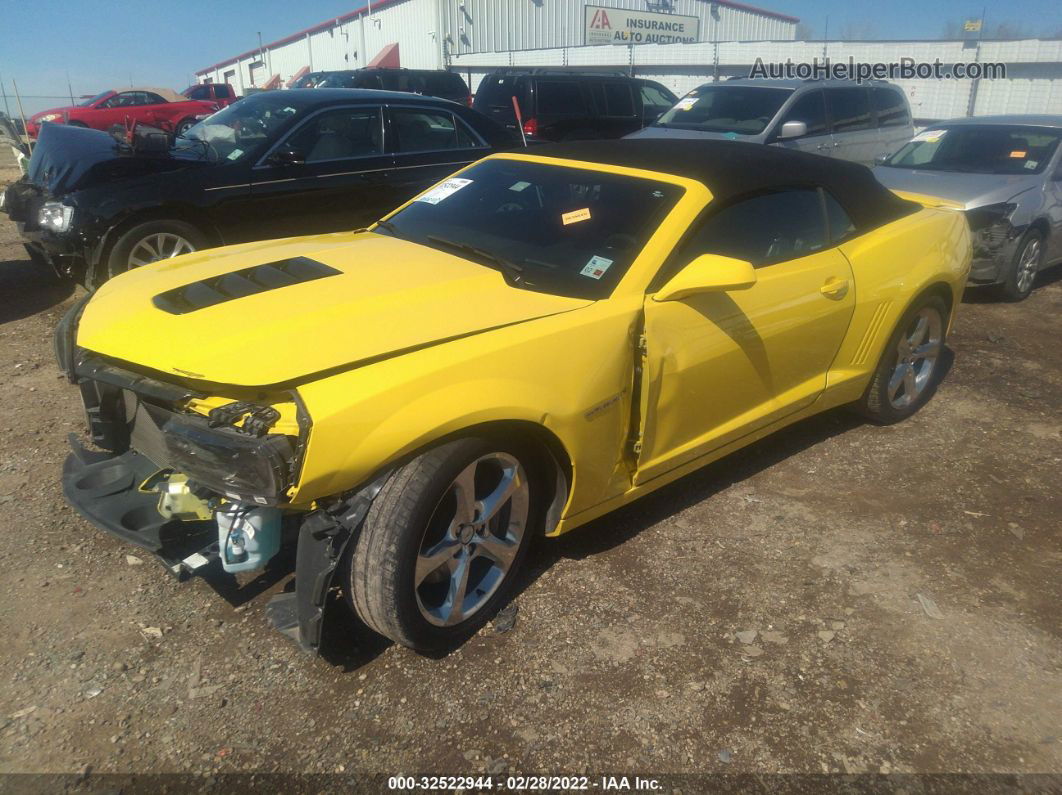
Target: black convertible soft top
point(731, 170)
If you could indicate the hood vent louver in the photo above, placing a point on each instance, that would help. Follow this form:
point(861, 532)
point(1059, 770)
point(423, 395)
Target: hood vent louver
point(241, 283)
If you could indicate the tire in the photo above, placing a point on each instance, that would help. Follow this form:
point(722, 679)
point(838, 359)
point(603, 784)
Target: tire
point(910, 366)
point(183, 126)
point(1022, 270)
point(138, 244)
point(407, 595)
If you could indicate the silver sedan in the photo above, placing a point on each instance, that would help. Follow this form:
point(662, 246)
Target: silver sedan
point(1005, 173)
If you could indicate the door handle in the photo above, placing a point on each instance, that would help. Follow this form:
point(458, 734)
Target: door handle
point(835, 288)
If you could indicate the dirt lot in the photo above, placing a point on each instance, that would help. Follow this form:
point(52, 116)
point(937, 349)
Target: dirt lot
point(814, 545)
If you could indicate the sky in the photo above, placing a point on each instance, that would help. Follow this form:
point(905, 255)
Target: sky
point(110, 43)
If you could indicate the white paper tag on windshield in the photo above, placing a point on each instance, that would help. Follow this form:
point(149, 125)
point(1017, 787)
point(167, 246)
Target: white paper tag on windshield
point(235, 153)
point(596, 267)
point(686, 104)
point(519, 186)
point(444, 190)
point(929, 136)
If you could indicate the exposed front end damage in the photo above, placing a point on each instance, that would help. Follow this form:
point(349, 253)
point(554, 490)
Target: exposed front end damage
point(202, 480)
point(996, 233)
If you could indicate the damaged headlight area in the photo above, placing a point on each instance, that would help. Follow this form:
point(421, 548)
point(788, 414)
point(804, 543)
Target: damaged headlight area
point(55, 216)
point(991, 227)
point(245, 457)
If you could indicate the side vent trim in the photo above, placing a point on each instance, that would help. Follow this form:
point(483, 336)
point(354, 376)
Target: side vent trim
point(873, 328)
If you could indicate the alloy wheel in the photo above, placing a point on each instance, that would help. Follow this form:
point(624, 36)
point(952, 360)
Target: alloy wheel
point(1027, 266)
point(161, 245)
point(472, 539)
point(917, 354)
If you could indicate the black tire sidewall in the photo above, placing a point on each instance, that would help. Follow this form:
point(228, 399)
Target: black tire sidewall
point(1009, 288)
point(875, 404)
point(406, 625)
point(183, 125)
point(118, 258)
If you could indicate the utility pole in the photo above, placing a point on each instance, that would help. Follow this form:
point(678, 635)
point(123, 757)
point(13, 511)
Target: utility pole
point(7, 110)
point(69, 88)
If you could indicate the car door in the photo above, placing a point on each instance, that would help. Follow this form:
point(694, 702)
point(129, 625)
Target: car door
point(855, 136)
point(720, 365)
point(116, 109)
point(808, 107)
point(329, 173)
point(428, 143)
point(618, 110)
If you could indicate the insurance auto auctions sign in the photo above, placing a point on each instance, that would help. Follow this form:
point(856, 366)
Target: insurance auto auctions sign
point(620, 26)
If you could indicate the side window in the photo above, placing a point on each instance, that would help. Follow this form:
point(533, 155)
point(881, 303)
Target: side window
point(840, 225)
point(363, 80)
point(199, 92)
point(850, 109)
point(890, 107)
point(423, 130)
point(769, 228)
point(338, 134)
point(810, 109)
point(618, 99)
point(560, 98)
point(652, 95)
point(126, 99)
point(152, 99)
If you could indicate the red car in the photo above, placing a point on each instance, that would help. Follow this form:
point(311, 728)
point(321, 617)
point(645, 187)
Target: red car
point(158, 107)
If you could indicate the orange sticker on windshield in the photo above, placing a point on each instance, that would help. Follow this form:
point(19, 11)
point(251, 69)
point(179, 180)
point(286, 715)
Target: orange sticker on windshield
point(575, 216)
point(1018, 153)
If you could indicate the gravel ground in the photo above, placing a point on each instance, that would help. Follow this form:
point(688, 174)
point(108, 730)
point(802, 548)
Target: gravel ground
point(762, 615)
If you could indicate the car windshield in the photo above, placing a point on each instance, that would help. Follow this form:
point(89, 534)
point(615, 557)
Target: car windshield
point(746, 110)
point(337, 80)
point(93, 100)
point(242, 127)
point(979, 149)
point(554, 229)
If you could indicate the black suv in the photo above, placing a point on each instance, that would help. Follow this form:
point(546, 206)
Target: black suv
point(429, 82)
point(565, 106)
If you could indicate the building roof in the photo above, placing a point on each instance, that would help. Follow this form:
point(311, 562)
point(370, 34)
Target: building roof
point(732, 169)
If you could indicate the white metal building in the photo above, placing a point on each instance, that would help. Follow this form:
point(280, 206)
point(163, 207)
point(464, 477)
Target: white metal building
point(430, 34)
point(725, 38)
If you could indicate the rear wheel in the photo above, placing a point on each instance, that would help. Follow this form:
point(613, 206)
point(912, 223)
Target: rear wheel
point(440, 548)
point(184, 126)
point(151, 241)
point(1023, 268)
point(910, 366)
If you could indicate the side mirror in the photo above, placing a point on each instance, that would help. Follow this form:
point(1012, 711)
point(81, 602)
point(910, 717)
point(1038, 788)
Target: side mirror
point(286, 157)
point(793, 129)
point(708, 273)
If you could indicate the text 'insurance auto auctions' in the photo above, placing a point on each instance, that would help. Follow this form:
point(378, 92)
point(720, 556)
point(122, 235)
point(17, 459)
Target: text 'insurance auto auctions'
point(620, 26)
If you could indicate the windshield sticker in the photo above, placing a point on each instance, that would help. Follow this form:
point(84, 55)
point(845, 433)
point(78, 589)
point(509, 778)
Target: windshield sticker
point(444, 190)
point(1019, 153)
point(1031, 164)
point(929, 136)
point(686, 103)
point(235, 153)
point(596, 267)
point(575, 216)
point(519, 186)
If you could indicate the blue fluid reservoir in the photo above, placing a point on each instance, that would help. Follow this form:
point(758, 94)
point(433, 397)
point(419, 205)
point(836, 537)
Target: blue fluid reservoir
point(248, 536)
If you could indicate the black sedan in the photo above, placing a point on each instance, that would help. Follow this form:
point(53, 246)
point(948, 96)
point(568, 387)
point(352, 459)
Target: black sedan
point(274, 164)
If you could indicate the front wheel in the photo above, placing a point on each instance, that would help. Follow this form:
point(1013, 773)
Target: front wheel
point(910, 367)
point(151, 241)
point(442, 543)
point(1023, 268)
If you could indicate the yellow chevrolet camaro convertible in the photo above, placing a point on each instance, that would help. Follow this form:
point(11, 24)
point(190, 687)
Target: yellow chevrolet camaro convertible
point(528, 345)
